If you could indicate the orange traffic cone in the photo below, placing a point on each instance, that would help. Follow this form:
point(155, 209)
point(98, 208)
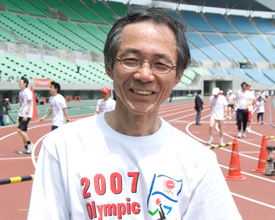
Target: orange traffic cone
point(263, 156)
point(235, 167)
point(34, 115)
point(66, 99)
point(71, 99)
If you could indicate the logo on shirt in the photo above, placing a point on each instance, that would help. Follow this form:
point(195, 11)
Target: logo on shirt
point(163, 197)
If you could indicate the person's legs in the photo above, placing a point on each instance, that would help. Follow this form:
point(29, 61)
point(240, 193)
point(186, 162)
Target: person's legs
point(245, 118)
point(249, 121)
point(220, 126)
point(258, 117)
point(239, 121)
point(262, 117)
point(22, 131)
point(2, 119)
point(211, 127)
point(54, 127)
point(198, 117)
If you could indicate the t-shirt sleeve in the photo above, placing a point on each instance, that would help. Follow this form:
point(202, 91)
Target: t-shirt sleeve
point(29, 96)
point(48, 199)
point(62, 102)
point(97, 106)
point(211, 198)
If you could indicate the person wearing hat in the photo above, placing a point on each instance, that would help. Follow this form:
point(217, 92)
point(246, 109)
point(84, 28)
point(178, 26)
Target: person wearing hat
point(130, 163)
point(105, 104)
point(243, 101)
point(219, 109)
point(231, 101)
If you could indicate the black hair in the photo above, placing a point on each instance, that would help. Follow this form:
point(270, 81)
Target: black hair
point(244, 83)
point(158, 16)
point(199, 91)
point(56, 86)
point(25, 80)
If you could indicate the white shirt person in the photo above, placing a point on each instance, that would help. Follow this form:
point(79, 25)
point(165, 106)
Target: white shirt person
point(57, 107)
point(106, 104)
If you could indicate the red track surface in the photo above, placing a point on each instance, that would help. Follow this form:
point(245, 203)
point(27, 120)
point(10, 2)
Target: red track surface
point(255, 197)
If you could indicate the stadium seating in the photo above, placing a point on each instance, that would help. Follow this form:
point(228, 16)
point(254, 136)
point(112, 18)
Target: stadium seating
point(217, 71)
point(205, 47)
point(197, 54)
point(119, 8)
point(197, 21)
point(258, 77)
point(244, 25)
point(85, 11)
point(103, 10)
point(244, 48)
point(263, 47)
point(225, 48)
point(40, 5)
point(220, 23)
point(201, 71)
point(65, 9)
point(269, 74)
point(265, 26)
point(28, 8)
point(178, 17)
point(93, 30)
point(239, 73)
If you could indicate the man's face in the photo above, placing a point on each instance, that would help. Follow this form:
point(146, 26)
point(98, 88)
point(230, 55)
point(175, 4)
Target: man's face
point(244, 87)
point(22, 85)
point(53, 91)
point(143, 91)
point(105, 96)
point(216, 96)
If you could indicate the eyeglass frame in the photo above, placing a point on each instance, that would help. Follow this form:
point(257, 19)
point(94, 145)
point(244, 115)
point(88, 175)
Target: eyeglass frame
point(141, 63)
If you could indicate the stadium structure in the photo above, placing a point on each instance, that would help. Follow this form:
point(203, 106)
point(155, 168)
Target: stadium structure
point(62, 40)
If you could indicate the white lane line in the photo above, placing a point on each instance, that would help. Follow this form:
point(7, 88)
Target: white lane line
point(34, 147)
point(15, 158)
point(253, 200)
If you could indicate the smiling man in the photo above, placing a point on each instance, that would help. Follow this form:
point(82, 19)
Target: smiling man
point(129, 163)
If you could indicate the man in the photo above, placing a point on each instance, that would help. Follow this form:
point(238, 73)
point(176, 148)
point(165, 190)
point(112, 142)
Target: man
point(198, 107)
point(250, 108)
point(219, 109)
point(105, 104)
point(231, 101)
point(57, 107)
point(25, 114)
point(243, 101)
point(129, 163)
point(2, 103)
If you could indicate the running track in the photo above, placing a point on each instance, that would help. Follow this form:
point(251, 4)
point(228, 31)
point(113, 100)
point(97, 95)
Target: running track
point(255, 197)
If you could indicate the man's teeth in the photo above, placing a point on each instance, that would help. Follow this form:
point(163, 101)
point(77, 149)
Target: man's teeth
point(142, 92)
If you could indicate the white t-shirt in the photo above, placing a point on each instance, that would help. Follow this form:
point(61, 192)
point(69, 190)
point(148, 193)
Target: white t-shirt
point(105, 106)
point(252, 96)
point(57, 103)
point(230, 99)
point(260, 105)
point(25, 96)
point(217, 107)
point(243, 98)
point(86, 170)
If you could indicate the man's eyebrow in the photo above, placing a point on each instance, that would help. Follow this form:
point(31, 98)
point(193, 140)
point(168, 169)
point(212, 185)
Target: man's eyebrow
point(136, 51)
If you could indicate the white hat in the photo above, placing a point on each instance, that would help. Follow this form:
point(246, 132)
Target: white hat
point(221, 91)
point(216, 91)
point(230, 91)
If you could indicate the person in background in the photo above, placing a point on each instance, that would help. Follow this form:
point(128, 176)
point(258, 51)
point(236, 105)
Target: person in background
point(58, 107)
point(25, 114)
point(250, 108)
point(198, 107)
point(260, 105)
point(2, 112)
point(105, 104)
point(121, 164)
point(231, 103)
point(243, 101)
point(219, 110)
point(171, 97)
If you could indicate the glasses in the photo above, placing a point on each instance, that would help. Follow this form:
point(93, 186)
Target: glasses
point(158, 66)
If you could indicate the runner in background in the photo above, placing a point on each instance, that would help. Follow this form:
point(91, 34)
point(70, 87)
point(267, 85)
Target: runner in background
point(260, 105)
point(105, 104)
point(57, 107)
point(250, 108)
point(25, 114)
point(2, 103)
point(231, 103)
point(243, 101)
point(219, 109)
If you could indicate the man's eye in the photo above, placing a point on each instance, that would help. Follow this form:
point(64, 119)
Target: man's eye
point(130, 60)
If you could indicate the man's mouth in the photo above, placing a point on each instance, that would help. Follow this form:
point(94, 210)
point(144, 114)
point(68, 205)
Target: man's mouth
point(142, 92)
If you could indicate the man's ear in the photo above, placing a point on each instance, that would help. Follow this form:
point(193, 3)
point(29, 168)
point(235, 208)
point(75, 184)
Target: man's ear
point(178, 78)
point(108, 71)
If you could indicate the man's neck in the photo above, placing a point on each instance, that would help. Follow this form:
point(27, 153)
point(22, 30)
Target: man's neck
point(127, 123)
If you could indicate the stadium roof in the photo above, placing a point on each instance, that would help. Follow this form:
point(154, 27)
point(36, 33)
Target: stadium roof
point(254, 5)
